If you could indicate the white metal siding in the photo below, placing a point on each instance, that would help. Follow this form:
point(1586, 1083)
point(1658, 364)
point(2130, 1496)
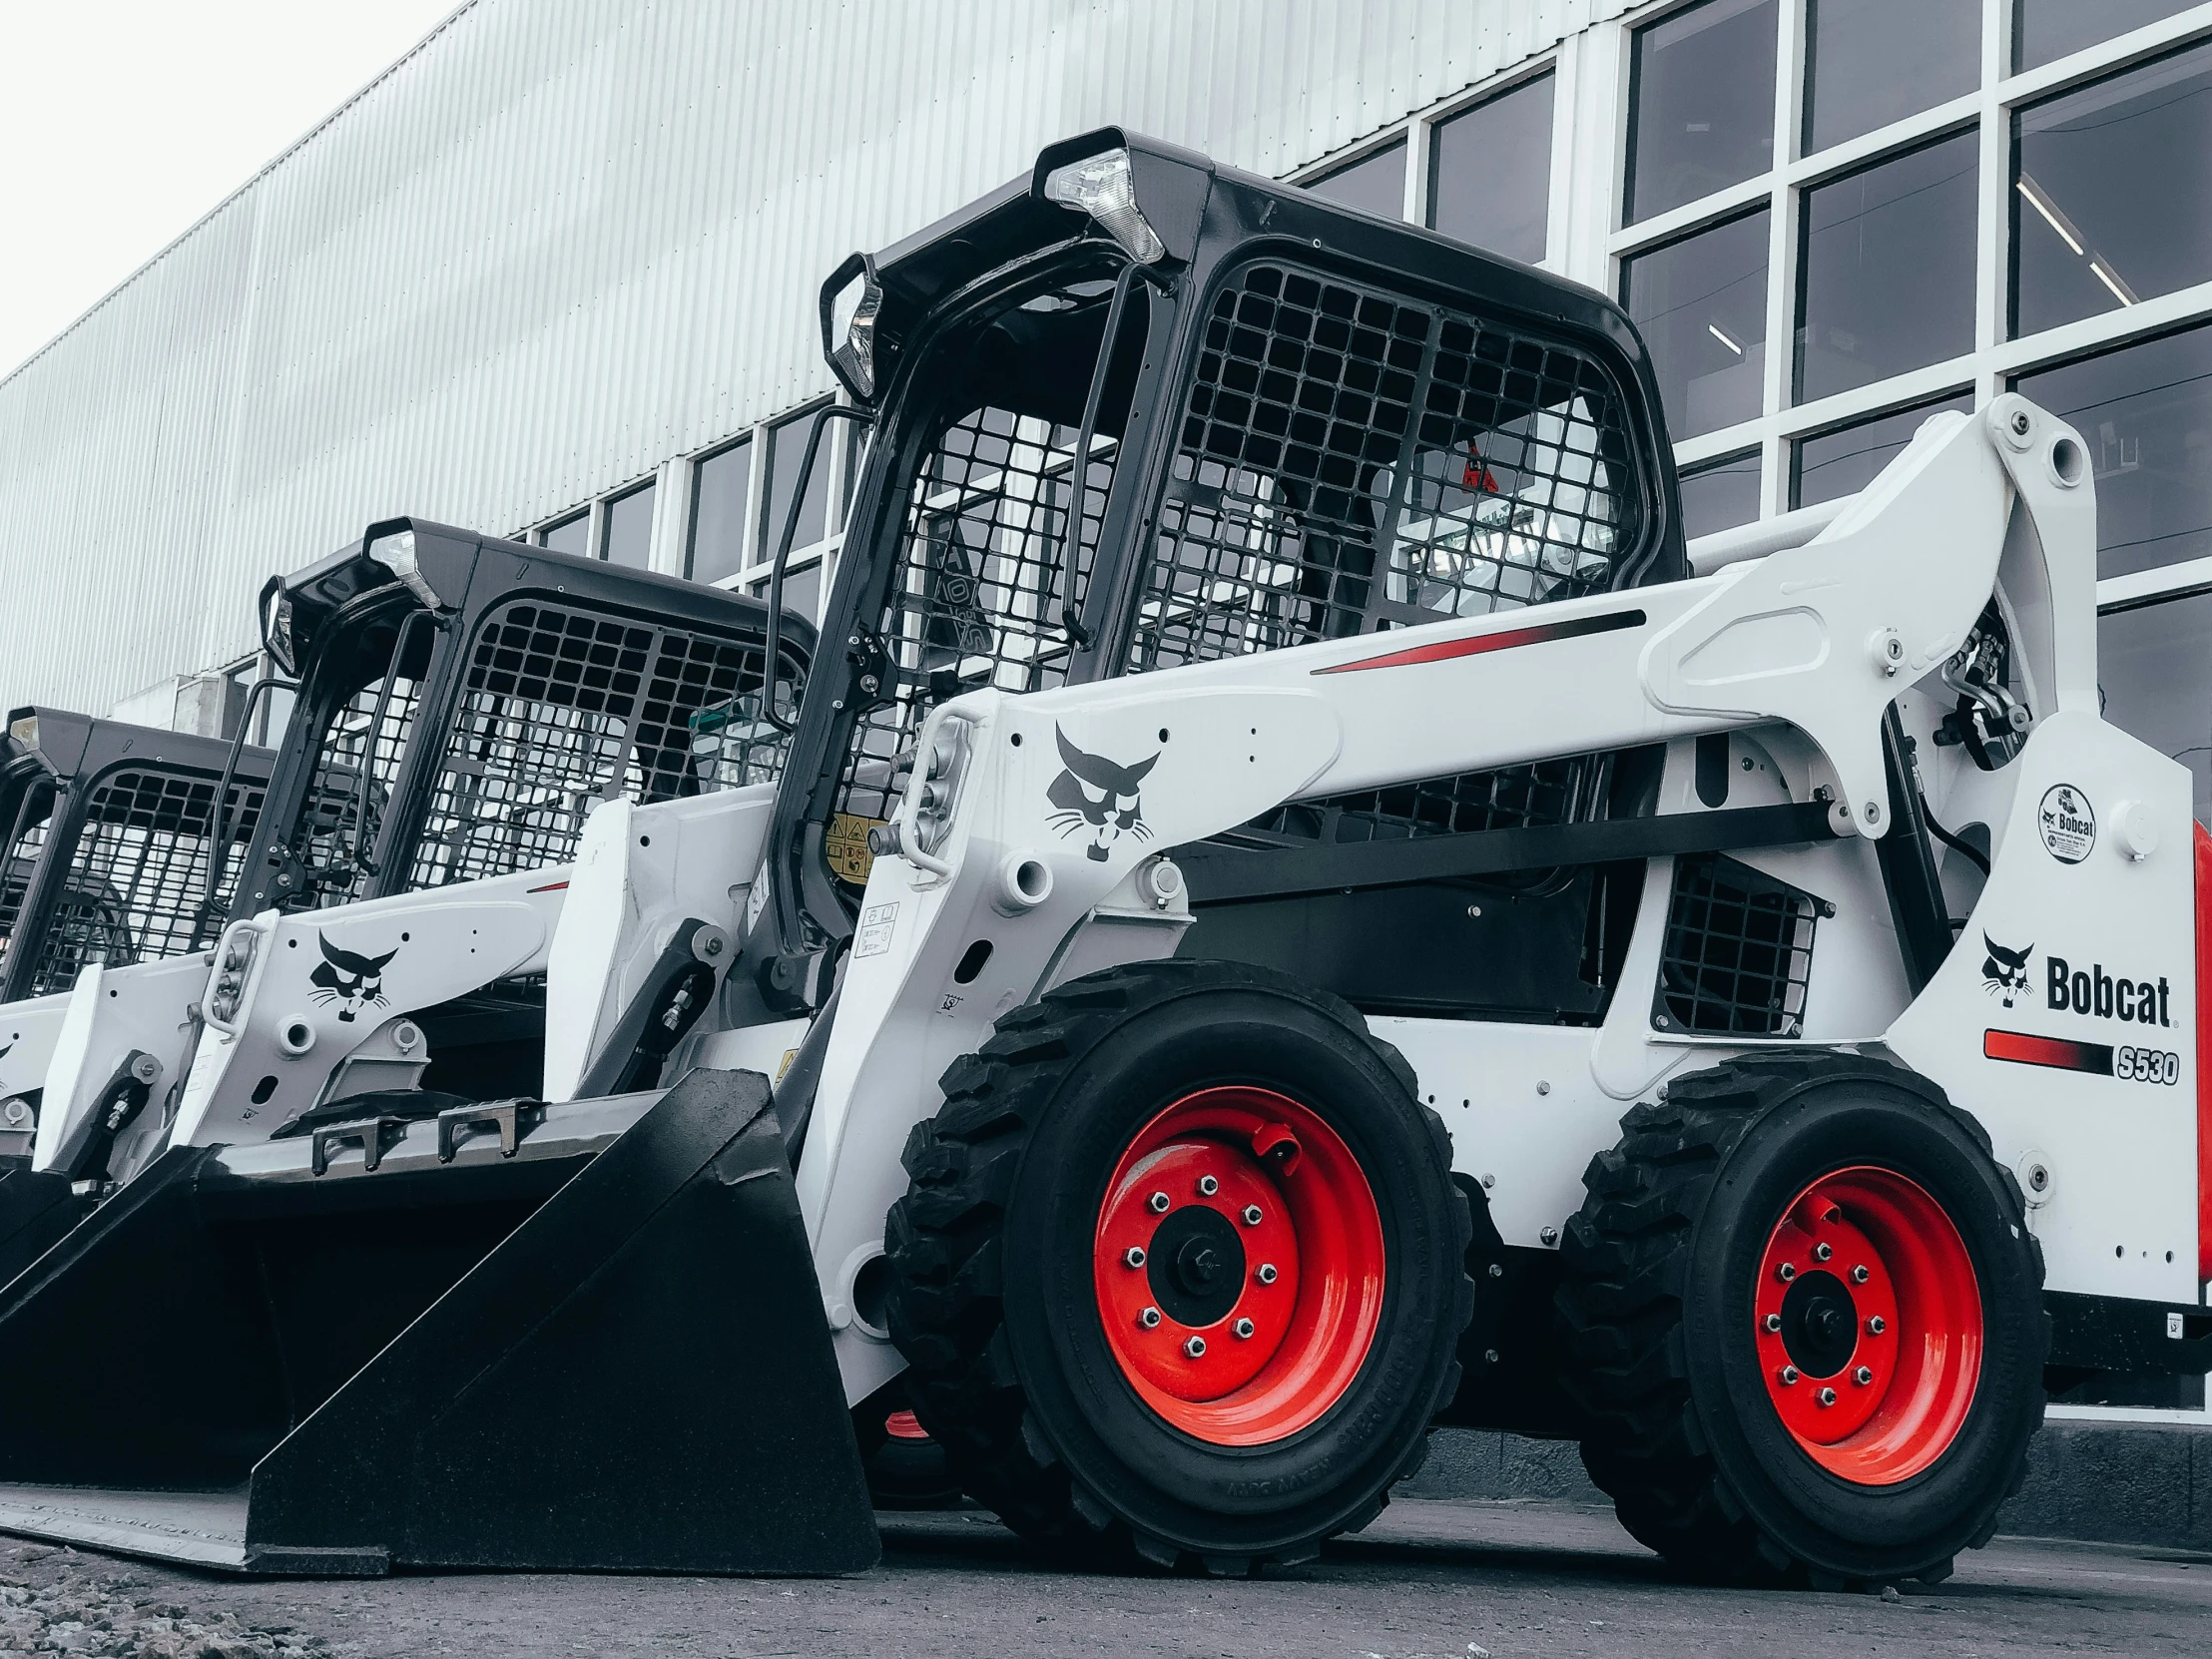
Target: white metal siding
point(565, 240)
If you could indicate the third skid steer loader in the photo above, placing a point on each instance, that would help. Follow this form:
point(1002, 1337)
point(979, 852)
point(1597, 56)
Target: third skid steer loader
point(1363, 927)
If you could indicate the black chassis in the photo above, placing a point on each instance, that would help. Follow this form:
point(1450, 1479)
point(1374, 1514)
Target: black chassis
point(1210, 219)
point(73, 755)
point(347, 615)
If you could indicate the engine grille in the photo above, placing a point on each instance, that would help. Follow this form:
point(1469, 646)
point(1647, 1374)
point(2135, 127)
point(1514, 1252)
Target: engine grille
point(1738, 951)
point(563, 708)
point(138, 873)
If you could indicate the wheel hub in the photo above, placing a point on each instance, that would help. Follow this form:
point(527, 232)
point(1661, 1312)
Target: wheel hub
point(1820, 1323)
point(1197, 1265)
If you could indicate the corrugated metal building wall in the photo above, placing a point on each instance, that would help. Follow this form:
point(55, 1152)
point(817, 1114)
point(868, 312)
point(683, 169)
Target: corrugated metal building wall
point(565, 240)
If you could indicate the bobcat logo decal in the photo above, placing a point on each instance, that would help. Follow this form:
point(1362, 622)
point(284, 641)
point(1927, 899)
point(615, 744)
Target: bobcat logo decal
point(1097, 797)
point(2003, 971)
point(344, 977)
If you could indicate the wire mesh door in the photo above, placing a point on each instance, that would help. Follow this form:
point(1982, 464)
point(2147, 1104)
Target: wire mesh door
point(562, 708)
point(136, 884)
point(356, 767)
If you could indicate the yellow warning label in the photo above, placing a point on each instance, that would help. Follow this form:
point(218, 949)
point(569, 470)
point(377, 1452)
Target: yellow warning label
point(846, 848)
point(790, 1054)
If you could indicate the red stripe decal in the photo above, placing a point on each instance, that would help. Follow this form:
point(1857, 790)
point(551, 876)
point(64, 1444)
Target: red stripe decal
point(1505, 639)
point(550, 886)
point(2066, 1055)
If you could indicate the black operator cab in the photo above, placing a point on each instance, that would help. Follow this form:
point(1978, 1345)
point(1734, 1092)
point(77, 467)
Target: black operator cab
point(1293, 422)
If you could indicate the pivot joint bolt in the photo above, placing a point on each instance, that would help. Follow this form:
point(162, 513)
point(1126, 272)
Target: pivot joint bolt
point(1134, 1256)
point(1774, 1322)
point(1878, 1325)
point(1194, 1348)
point(1827, 1397)
point(1788, 1373)
point(1267, 1274)
point(1208, 1186)
point(1549, 1235)
point(1243, 1327)
point(1158, 1204)
point(1822, 1252)
point(1149, 1318)
point(1252, 1215)
point(1862, 1376)
point(1859, 1274)
point(1786, 1272)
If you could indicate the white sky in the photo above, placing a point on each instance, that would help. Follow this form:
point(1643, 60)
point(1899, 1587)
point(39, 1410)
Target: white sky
point(121, 122)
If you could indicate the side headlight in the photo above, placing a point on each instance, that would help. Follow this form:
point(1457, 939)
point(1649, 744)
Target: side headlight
point(852, 325)
point(1103, 187)
point(936, 784)
point(24, 729)
point(396, 553)
point(278, 636)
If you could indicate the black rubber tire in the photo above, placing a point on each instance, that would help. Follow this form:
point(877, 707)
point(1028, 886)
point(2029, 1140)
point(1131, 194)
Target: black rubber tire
point(1010, 1366)
point(1660, 1264)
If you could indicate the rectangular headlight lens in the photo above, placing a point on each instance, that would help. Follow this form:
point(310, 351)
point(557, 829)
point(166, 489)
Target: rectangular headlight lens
point(1103, 187)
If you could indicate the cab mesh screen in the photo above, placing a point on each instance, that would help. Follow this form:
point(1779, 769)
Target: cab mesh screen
point(1738, 952)
point(344, 807)
point(26, 841)
point(562, 708)
point(1352, 459)
point(980, 590)
point(137, 876)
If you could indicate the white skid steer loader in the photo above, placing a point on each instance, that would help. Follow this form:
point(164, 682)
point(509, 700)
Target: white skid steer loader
point(1353, 931)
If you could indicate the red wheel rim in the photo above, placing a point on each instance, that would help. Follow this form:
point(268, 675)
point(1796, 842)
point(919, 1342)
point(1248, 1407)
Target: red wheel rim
point(1868, 1319)
point(1241, 1308)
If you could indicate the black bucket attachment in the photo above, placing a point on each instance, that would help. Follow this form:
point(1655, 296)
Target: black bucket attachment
point(36, 1211)
point(598, 1346)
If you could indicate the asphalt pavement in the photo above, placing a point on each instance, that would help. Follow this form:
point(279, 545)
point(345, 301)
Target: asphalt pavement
point(1507, 1580)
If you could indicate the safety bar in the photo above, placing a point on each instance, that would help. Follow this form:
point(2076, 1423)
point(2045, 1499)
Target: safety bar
point(770, 677)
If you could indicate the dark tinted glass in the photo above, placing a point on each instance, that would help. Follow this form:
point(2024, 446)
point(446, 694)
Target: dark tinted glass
point(787, 451)
point(630, 529)
point(1701, 305)
point(1376, 184)
point(1489, 172)
point(1871, 62)
point(722, 487)
point(571, 535)
point(2112, 192)
point(1701, 103)
point(1720, 494)
point(2146, 415)
point(1844, 461)
point(2156, 677)
point(802, 591)
point(1888, 275)
point(2047, 29)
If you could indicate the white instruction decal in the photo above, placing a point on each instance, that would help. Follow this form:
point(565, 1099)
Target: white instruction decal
point(875, 937)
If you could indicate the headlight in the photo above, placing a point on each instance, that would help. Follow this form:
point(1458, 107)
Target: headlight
point(396, 553)
point(234, 962)
point(1103, 187)
point(278, 636)
point(24, 729)
point(852, 331)
point(936, 784)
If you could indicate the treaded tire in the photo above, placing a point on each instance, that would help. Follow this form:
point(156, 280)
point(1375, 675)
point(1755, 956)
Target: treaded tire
point(1660, 1266)
point(993, 1299)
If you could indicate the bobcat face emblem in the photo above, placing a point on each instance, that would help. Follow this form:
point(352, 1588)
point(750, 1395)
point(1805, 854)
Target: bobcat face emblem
point(1097, 798)
point(2004, 972)
point(355, 981)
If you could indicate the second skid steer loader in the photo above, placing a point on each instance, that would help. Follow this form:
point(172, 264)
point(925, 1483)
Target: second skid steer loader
point(1309, 914)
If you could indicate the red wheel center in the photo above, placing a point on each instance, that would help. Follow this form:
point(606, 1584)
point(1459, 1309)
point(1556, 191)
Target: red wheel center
point(1867, 1318)
point(1239, 1266)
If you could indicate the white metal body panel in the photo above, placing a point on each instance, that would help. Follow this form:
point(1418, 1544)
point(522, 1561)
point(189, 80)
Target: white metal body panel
point(111, 1012)
point(28, 1030)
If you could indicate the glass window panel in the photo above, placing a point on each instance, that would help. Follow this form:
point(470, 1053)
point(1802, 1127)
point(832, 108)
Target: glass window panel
point(1887, 270)
point(1871, 62)
point(571, 535)
point(1374, 183)
point(721, 485)
point(2155, 680)
point(2146, 415)
point(802, 591)
point(1720, 494)
point(1489, 172)
point(2047, 29)
point(1700, 103)
point(2112, 192)
point(786, 452)
point(630, 529)
point(1844, 461)
point(1701, 304)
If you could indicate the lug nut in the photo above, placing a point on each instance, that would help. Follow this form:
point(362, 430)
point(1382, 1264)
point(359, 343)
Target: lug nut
point(1243, 1327)
point(1266, 1274)
point(1859, 1274)
point(1208, 1186)
point(1878, 1325)
point(1159, 1203)
point(1774, 1322)
point(1149, 1318)
point(1827, 1397)
point(1786, 1272)
point(1862, 1376)
point(1788, 1375)
point(1252, 1215)
point(1822, 1252)
point(1134, 1256)
point(1194, 1348)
